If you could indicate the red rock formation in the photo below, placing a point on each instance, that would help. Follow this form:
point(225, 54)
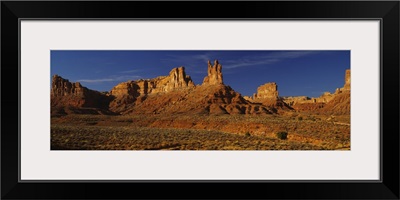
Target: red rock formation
point(179, 95)
point(205, 99)
point(62, 87)
point(327, 103)
point(267, 91)
point(178, 79)
point(340, 103)
point(214, 74)
point(268, 95)
point(65, 93)
point(127, 93)
point(347, 80)
point(291, 101)
point(172, 94)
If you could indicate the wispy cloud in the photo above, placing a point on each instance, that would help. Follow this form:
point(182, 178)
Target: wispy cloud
point(244, 61)
point(110, 79)
point(130, 71)
point(266, 59)
point(95, 80)
point(191, 60)
point(249, 62)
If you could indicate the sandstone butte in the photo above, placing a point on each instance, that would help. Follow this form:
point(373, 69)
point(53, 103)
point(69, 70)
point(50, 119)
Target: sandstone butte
point(65, 93)
point(337, 103)
point(176, 93)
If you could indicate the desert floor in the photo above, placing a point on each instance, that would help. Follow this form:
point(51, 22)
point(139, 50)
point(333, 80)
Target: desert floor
point(200, 132)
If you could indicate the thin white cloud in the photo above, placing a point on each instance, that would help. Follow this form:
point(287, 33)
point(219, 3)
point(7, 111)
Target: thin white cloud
point(192, 60)
point(95, 80)
point(130, 71)
point(266, 59)
point(111, 79)
point(245, 61)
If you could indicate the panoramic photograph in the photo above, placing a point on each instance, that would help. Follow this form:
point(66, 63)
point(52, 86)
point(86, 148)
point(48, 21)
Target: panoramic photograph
point(200, 100)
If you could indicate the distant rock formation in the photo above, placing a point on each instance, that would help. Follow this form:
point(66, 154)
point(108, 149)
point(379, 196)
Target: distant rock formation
point(67, 97)
point(291, 101)
point(176, 93)
point(347, 84)
point(328, 103)
point(248, 98)
point(62, 87)
point(340, 103)
point(347, 80)
point(267, 91)
point(67, 93)
point(212, 97)
point(268, 95)
point(214, 74)
point(177, 79)
point(128, 92)
point(324, 98)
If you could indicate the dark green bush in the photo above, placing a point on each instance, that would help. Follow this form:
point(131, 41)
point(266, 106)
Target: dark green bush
point(300, 118)
point(282, 135)
point(247, 134)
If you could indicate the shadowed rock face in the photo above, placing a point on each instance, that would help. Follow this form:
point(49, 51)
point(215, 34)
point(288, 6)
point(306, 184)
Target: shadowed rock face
point(62, 87)
point(65, 93)
point(214, 74)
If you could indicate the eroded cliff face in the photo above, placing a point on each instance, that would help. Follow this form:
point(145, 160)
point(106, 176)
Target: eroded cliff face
point(72, 98)
point(66, 93)
point(177, 79)
point(62, 87)
point(340, 103)
point(214, 74)
point(291, 101)
point(346, 87)
point(267, 91)
point(324, 98)
point(268, 95)
point(127, 93)
point(176, 93)
point(328, 103)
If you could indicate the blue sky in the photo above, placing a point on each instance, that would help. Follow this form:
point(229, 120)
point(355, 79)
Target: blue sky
point(297, 73)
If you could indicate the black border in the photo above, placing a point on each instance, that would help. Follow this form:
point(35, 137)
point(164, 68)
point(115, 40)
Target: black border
point(387, 11)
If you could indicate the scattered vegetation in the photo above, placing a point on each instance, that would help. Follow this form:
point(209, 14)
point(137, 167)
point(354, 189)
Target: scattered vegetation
point(300, 118)
point(282, 135)
point(134, 138)
point(183, 132)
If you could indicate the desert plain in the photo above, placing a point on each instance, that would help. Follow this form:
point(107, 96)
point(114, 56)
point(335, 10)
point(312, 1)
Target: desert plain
point(171, 112)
